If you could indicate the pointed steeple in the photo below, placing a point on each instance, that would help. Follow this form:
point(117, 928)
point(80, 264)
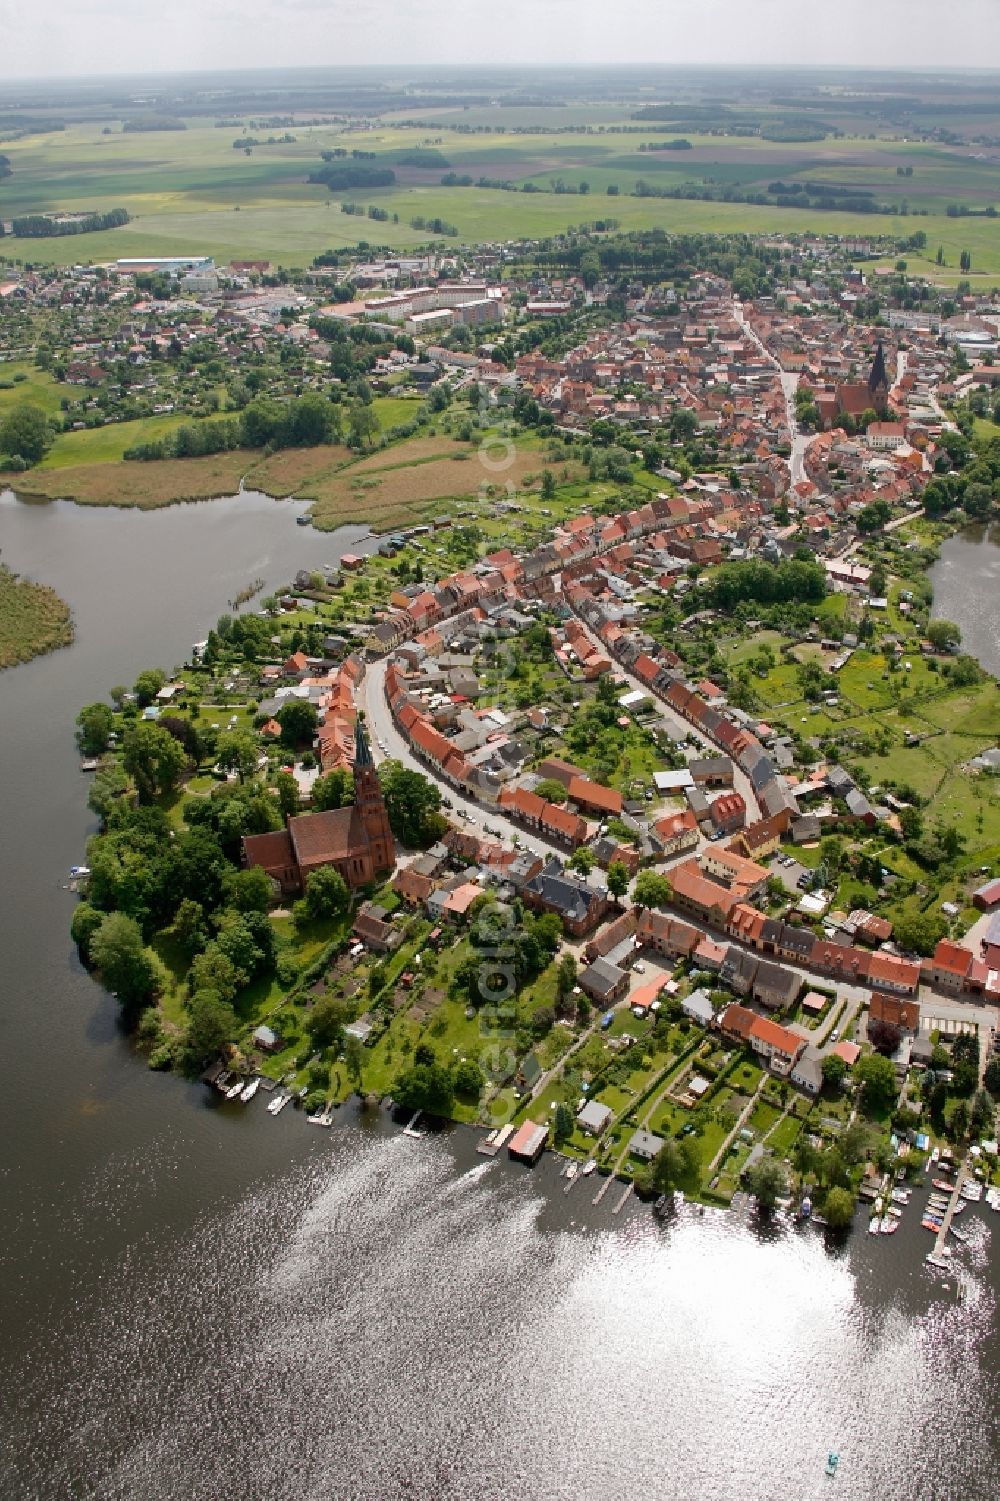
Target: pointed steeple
point(878, 378)
point(362, 750)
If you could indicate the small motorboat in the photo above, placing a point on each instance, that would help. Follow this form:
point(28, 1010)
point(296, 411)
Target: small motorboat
point(249, 1090)
point(571, 1171)
point(873, 1225)
point(805, 1208)
point(79, 870)
point(234, 1089)
point(589, 1166)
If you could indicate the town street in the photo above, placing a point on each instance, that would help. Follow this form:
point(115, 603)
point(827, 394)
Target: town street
point(387, 742)
point(789, 385)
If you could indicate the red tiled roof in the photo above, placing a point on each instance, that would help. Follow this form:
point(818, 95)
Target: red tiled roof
point(890, 969)
point(952, 957)
point(777, 1037)
point(592, 795)
point(330, 835)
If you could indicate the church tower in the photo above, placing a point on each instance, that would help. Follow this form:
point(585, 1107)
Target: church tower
point(370, 804)
point(878, 381)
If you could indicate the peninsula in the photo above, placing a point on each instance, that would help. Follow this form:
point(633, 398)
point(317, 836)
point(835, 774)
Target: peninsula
point(644, 802)
point(33, 619)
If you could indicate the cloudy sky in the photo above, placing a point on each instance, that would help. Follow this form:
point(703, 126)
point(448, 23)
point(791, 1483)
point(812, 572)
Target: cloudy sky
point(43, 38)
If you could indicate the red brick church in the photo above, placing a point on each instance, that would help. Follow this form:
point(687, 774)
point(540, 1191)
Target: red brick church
point(356, 840)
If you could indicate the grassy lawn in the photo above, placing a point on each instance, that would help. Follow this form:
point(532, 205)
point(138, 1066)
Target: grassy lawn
point(746, 1076)
point(785, 1135)
point(106, 445)
point(763, 1117)
point(22, 383)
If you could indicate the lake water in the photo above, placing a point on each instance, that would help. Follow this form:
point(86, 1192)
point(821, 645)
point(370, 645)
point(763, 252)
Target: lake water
point(200, 1302)
point(966, 582)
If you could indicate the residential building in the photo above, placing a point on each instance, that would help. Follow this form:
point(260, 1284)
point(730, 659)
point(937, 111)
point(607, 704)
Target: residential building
point(594, 1117)
point(949, 967)
point(604, 982)
point(894, 1012)
point(579, 904)
point(807, 1070)
point(777, 1044)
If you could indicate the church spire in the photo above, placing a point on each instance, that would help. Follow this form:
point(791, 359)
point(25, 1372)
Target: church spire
point(362, 750)
point(878, 378)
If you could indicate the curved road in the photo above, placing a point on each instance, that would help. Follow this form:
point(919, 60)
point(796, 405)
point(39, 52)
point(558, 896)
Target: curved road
point(388, 742)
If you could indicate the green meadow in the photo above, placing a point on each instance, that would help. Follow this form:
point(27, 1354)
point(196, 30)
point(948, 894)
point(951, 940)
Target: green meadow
point(189, 191)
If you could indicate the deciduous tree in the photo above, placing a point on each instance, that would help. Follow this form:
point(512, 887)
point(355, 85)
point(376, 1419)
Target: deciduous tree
point(767, 1182)
point(326, 893)
point(94, 726)
point(153, 759)
point(117, 949)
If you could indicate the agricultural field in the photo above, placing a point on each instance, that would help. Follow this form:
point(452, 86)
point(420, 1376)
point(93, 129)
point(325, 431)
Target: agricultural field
point(189, 191)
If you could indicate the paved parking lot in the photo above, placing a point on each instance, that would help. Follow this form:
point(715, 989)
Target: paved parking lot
point(788, 875)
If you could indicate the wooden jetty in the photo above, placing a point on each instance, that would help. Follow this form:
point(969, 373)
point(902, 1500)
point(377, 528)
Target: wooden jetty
point(949, 1213)
point(599, 1195)
point(490, 1145)
point(624, 1199)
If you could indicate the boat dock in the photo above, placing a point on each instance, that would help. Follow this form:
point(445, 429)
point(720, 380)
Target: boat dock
point(599, 1195)
point(411, 1128)
point(949, 1213)
point(624, 1199)
point(490, 1145)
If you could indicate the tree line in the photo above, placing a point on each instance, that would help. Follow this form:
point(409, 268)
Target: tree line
point(303, 422)
point(339, 175)
point(795, 581)
point(47, 227)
